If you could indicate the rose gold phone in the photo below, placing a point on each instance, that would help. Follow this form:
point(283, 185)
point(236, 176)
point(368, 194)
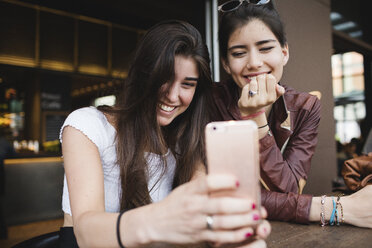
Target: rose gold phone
point(232, 148)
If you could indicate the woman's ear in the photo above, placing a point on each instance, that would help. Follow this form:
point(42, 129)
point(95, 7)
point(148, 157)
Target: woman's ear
point(285, 51)
point(225, 66)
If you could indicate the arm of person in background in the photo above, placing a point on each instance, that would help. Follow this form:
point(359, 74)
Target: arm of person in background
point(180, 218)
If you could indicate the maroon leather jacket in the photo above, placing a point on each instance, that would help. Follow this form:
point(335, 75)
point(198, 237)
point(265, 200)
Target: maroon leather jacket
point(293, 122)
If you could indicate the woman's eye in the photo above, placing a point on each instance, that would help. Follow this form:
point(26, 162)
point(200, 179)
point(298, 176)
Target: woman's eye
point(189, 85)
point(266, 49)
point(237, 54)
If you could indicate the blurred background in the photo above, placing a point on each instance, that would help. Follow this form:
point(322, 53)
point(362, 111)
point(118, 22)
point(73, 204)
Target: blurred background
point(57, 56)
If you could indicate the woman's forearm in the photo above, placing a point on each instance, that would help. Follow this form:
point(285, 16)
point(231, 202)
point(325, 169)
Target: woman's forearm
point(98, 229)
point(354, 209)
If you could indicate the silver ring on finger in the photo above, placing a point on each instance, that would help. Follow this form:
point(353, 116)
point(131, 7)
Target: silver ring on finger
point(209, 222)
point(252, 93)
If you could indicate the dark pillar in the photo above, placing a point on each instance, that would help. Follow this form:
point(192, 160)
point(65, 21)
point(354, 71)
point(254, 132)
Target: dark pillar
point(368, 95)
point(366, 19)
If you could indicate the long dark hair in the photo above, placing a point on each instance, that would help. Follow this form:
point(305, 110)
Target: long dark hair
point(230, 21)
point(135, 110)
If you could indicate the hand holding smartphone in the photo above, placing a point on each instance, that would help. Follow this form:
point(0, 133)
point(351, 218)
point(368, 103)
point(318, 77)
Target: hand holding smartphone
point(232, 148)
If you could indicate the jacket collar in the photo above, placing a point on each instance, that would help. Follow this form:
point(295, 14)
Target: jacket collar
point(280, 120)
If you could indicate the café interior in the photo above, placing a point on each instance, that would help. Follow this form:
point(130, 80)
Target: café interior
point(58, 56)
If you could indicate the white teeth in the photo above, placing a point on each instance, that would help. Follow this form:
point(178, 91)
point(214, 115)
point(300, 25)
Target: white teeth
point(166, 108)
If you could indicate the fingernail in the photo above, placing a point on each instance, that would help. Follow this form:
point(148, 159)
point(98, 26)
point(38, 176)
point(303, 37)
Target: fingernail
point(256, 217)
point(237, 183)
point(253, 206)
point(247, 235)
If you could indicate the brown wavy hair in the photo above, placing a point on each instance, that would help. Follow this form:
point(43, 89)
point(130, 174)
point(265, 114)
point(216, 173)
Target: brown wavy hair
point(135, 112)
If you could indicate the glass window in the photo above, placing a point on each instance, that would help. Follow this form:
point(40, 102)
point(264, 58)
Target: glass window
point(348, 92)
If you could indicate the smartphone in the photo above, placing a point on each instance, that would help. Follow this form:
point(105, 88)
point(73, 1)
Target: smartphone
point(232, 148)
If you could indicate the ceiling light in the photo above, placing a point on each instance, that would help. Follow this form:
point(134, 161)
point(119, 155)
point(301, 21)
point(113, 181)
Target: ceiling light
point(356, 34)
point(345, 25)
point(335, 16)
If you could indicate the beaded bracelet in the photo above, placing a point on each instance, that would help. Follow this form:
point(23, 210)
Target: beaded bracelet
point(338, 203)
point(322, 214)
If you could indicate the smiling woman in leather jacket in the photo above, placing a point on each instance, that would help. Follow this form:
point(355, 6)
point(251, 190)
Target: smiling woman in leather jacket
point(254, 51)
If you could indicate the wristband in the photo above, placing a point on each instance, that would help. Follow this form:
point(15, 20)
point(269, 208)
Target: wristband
point(341, 216)
point(118, 230)
point(332, 218)
point(263, 126)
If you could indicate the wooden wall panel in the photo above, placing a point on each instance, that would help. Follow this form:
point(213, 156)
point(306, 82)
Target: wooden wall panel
point(56, 38)
point(17, 31)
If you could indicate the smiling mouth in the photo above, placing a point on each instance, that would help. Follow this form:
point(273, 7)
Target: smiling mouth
point(250, 77)
point(166, 107)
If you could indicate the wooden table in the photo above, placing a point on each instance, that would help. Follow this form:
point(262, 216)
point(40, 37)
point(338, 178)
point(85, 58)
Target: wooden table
point(287, 235)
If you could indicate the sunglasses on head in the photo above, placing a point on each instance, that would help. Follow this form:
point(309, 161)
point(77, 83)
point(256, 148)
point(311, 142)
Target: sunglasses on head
point(235, 4)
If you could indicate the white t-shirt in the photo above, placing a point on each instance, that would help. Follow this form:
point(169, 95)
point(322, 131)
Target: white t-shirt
point(93, 123)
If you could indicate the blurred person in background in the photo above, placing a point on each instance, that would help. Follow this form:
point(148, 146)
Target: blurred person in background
point(6, 151)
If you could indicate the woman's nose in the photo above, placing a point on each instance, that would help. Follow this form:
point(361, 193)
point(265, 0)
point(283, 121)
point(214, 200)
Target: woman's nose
point(254, 61)
point(173, 92)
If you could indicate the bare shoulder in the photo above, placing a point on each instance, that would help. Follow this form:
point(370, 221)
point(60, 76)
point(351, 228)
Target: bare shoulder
point(76, 141)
